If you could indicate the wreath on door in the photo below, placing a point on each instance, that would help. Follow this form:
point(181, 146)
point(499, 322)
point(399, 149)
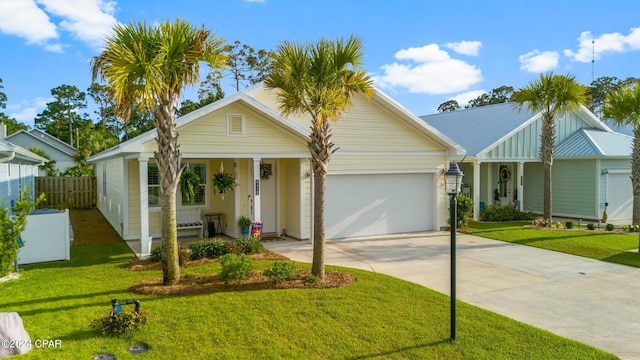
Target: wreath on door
point(505, 174)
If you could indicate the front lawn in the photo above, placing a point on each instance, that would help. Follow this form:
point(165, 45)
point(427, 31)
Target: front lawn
point(378, 316)
point(595, 244)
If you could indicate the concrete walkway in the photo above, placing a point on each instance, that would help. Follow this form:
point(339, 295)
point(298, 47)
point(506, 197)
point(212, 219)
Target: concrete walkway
point(591, 301)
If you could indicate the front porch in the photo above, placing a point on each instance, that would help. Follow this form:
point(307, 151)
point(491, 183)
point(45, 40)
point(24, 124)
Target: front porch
point(273, 190)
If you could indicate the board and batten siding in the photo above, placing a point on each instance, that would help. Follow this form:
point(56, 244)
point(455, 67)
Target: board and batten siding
point(208, 135)
point(111, 191)
point(134, 200)
point(525, 144)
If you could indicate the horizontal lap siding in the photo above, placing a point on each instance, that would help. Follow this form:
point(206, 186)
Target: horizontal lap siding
point(575, 192)
point(419, 163)
point(111, 204)
point(370, 127)
point(208, 135)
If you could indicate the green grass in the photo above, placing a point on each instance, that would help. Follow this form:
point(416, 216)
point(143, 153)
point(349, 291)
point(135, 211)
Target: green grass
point(377, 317)
point(601, 245)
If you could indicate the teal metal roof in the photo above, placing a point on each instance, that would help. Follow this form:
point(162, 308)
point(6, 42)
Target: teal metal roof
point(592, 142)
point(476, 129)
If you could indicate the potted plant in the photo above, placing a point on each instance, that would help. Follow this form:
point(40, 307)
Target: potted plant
point(245, 224)
point(223, 181)
point(189, 183)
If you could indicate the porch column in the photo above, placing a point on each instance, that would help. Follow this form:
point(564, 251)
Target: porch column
point(521, 185)
point(145, 239)
point(476, 190)
point(257, 216)
point(489, 199)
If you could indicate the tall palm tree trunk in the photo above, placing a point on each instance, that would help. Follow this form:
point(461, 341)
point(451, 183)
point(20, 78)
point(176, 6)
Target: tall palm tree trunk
point(168, 157)
point(547, 141)
point(321, 149)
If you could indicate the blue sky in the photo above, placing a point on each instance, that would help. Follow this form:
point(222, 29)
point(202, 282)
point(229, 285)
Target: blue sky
point(421, 53)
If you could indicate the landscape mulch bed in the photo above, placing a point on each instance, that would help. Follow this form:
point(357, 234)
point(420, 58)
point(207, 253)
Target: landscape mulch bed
point(210, 283)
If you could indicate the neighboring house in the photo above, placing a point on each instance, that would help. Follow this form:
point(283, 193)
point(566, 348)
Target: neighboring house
point(18, 167)
point(56, 149)
point(591, 166)
point(385, 177)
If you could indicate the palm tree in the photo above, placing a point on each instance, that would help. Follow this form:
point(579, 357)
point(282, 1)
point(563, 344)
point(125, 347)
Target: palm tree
point(623, 106)
point(150, 65)
point(319, 79)
point(552, 95)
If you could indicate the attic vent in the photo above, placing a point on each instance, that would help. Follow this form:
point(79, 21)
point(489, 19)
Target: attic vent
point(235, 125)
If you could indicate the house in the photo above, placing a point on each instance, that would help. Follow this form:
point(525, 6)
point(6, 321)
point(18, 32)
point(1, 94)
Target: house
point(57, 150)
point(18, 167)
point(385, 177)
point(591, 166)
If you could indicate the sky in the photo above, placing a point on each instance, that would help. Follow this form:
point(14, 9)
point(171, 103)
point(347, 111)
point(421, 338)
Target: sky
point(421, 53)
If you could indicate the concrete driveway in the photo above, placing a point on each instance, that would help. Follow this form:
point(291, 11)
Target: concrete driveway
point(591, 301)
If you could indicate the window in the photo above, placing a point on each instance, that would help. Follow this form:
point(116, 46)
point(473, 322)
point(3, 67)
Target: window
point(236, 125)
point(199, 198)
point(153, 183)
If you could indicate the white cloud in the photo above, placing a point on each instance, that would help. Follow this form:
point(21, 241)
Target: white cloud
point(463, 99)
point(537, 62)
point(26, 111)
point(590, 47)
point(433, 72)
point(470, 48)
point(86, 20)
point(23, 18)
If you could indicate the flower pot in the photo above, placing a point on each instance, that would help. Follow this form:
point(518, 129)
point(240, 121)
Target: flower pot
point(245, 231)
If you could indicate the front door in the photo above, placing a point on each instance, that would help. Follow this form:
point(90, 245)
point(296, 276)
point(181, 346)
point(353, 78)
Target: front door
point(268, 195)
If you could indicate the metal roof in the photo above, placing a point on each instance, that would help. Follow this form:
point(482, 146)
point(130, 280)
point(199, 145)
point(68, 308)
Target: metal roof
point(626, 129)
point(592, 142)
point(476, 129)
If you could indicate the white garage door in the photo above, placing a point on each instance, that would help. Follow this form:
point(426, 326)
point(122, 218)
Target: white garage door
point(619, 196)
point(359, 205)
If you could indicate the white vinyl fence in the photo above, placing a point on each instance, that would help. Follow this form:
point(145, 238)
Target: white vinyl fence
point(46, 237)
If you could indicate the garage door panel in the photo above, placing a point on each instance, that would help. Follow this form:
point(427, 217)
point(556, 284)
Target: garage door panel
point(359, 205)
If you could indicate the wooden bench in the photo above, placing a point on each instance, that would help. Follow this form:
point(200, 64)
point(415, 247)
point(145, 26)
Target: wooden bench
point(189, 219)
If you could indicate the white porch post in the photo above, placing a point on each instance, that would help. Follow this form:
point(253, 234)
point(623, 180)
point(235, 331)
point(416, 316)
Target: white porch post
point(476, 190)
point(145, 239)
point(489, 185)
point(521, 185)
point(257, 216)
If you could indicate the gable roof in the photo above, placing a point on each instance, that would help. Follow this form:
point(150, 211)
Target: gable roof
point(135, 145)
point(592, 142)
point(46, 138)
point(479, 129)
point(245, 97)
point(14, 154)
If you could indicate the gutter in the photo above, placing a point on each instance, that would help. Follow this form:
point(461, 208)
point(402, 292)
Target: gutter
point(10, 157)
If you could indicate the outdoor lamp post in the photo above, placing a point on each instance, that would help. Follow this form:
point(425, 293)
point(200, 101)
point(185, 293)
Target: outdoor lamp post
point(453, 179)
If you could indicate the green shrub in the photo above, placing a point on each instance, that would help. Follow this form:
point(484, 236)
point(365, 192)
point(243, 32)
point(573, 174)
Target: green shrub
point(183, 255)
point(313, 279)
point(235, 267)
point(590, 226)
point(568, 225)
point(250, 245)
point(280, 270)
point(504, 213)
point(209, 248)
point(119, 324)
point(464, 210)
point(609, 227)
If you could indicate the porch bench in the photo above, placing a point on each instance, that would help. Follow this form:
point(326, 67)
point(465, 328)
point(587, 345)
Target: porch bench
point(188, 220)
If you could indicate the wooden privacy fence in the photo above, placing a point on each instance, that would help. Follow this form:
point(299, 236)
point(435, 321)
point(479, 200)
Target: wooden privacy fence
point(67, 192)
